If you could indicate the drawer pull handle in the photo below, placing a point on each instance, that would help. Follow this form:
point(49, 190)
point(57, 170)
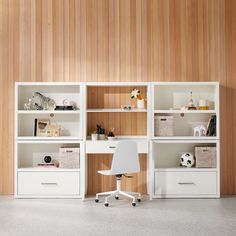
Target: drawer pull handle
point(186, 183)
point(49, 183)
point(112, 147)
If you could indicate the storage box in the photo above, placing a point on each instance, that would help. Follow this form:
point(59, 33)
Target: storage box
point(164, 125)
point(69, 157)
point(205, 157)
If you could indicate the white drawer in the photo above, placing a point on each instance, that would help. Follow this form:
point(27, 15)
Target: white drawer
point(48, 183)
point(106, 146)
point(185, 183)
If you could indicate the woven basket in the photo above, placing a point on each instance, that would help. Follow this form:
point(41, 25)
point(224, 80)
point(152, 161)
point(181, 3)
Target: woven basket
point(69, 158)
point(164, 125)
point(205, 157)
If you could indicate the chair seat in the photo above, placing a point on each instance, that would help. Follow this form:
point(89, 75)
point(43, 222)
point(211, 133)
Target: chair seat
point(109, 172)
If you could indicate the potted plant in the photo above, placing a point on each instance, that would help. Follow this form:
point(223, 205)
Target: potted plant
point(136, 94)
point(100, 132)
point(111, 135)
point(94, 135)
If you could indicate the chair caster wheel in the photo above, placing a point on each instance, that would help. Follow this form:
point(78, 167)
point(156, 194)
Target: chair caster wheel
point(97, 200)
point(133, 204)
point(106, 204)
point(116, 197)
point(139, 199)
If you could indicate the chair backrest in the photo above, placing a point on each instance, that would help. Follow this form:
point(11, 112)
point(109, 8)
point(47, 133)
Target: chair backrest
point(125, 158)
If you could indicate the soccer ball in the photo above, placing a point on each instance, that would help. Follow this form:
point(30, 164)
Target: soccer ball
point(187, 159)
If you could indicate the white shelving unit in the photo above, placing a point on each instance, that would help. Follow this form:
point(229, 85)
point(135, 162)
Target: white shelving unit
point(32, 181)
point(167, 178)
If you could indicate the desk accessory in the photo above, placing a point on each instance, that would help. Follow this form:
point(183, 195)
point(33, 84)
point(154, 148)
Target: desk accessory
point(100, 132)
point(111, 135)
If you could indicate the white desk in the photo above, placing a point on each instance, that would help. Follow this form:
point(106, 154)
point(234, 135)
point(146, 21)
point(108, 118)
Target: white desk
point(109, 146)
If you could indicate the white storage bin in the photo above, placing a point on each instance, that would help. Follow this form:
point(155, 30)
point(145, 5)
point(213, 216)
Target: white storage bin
point(164, 125)
point(205, 157)
point(69, 158)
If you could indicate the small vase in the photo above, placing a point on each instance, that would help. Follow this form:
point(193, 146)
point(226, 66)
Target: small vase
point(94, 137)
point(101, 136)
point(140, 103)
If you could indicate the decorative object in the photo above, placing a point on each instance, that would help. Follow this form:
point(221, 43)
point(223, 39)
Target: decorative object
point(205, 157)
point(41, 127)
point(100, 132)
point(164, 125)
point(40, 102)
point(29, 105)
point(64, 108)
point(69, 157)
point(140, 103)
point(94, 135)
point(187, 159)
point(111, 135)
point(203, 105)
point(126, 107)
point(199, 130)
point(211, 127)
point(191, 105)
point(53, 130)
point(47, 159)
point(136, 94)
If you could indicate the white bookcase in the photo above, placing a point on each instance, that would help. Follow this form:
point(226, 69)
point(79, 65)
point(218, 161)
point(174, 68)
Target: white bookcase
point(30, 180)
point(167, 178)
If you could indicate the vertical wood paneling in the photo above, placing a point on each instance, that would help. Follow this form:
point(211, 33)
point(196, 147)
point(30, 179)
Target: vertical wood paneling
point(47, 40)
point(125, 40)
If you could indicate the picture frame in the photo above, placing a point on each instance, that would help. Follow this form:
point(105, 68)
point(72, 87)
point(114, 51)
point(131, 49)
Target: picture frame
point(41, 127)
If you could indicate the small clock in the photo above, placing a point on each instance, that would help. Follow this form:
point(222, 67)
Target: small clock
point(47, 159)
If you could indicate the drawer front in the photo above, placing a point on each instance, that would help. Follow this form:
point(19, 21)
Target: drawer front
point(107, 146)
point(185, 183)
point(45, 183)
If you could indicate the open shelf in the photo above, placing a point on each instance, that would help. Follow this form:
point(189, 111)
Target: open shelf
point(48, 112)
point(112, 97)
point(183, 125)
point(116, 110)
point(70, 124)
point(177, 95)
point(167, 155)
point(185, 111)
point(30, 154)
point(35, 138)
point(181, 169)
point(59, 93)
point(185, 138)
point(46, 170)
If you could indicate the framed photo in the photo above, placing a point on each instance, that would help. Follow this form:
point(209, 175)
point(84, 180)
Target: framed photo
point(41, 127)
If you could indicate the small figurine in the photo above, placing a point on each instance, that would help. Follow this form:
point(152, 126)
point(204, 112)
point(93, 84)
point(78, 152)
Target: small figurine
point(191, 105)
point(111, 134)
point(199, 130)
point(40, 102)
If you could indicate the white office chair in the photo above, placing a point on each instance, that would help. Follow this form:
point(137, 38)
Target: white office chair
point(125, 161)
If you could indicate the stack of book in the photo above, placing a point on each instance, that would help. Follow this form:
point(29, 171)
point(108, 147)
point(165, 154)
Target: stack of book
point(47, 165)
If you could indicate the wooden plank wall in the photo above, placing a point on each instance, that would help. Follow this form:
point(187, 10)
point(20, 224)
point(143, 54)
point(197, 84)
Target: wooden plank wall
point(118, 40)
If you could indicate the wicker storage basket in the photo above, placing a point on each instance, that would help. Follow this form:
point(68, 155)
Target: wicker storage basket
point(205, 157)
point(69, 158)
point(164, 125)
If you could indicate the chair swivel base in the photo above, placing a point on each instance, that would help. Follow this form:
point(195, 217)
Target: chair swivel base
point(118, 192)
